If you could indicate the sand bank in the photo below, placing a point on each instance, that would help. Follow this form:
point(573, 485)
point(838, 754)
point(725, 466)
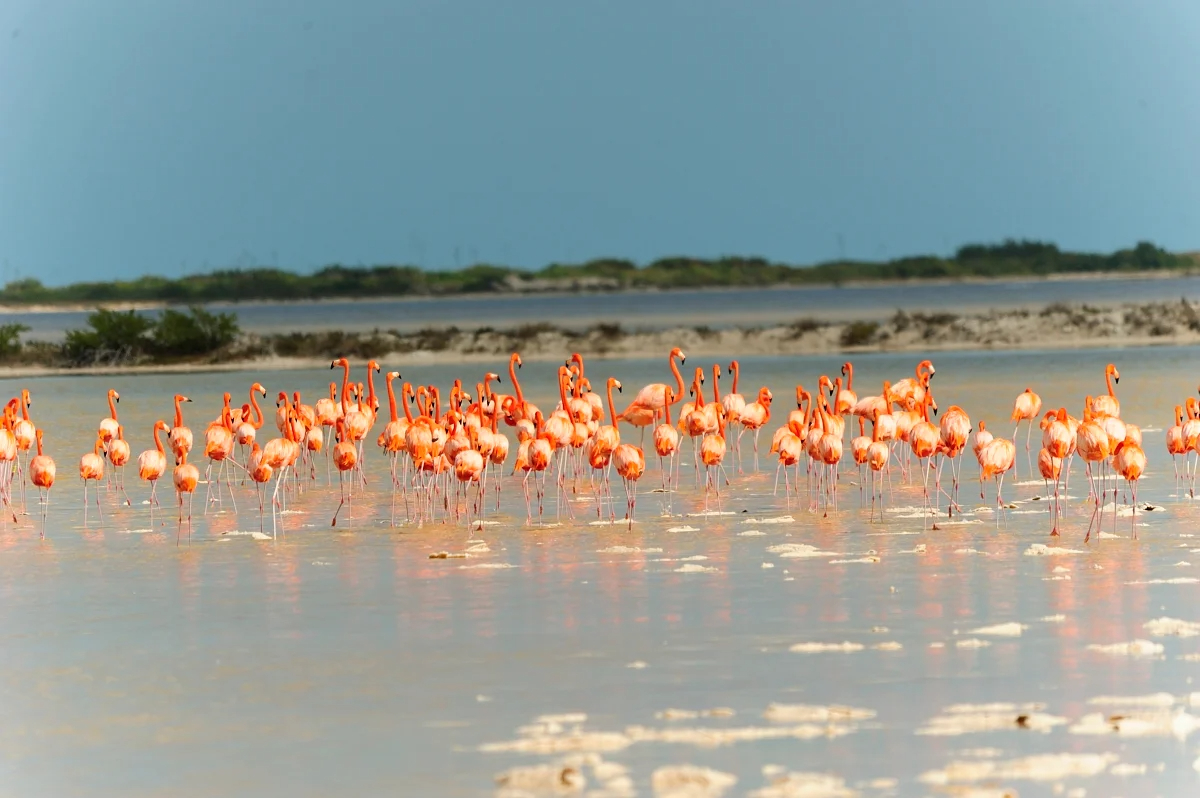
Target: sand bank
point(1054, 327)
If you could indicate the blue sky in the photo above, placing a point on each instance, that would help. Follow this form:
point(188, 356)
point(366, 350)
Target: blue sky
point(139, 136)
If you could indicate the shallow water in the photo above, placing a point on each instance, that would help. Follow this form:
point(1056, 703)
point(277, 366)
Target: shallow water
point(345, 660)
point(715, 308)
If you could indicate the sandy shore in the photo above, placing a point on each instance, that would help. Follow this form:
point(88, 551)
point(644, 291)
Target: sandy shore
point(1054, 327)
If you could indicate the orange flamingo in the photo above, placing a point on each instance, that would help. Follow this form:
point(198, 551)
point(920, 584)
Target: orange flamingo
point(645, 408)
point(712, 453)
point(108, 426)
point(910, 392)
point(181, 436)
point(1051, 469)
point(666, 442)
point(91, 469)
point(41, 473)
point(118, 455)
point(1130, 462)
point(260, 473)
point(1026, 408)
point(1175, 444)
point(1108, 405)
point(152, 464)
point(1091, 441)
point(846, 397)
point(186, 476)
point(878, 455)
point(345, 458)
point(995, 460)
point(755, 416)
point(630, 463)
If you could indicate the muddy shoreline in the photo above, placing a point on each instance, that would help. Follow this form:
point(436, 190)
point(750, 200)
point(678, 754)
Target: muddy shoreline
point(1056, 326)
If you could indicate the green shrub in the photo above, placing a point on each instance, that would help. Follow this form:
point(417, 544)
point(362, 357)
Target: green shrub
point(114, 337)
point(859, 333)
point(10, 339)
point(197, 332)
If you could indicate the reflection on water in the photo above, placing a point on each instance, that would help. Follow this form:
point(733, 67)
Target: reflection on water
point(346, 661)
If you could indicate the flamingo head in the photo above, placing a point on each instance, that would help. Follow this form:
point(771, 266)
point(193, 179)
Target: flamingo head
point(257, 388)
point(491, 376)
point(678, 353)
point(765, 396)
point(1111, 369)
point(373, 366)
point(25, 397)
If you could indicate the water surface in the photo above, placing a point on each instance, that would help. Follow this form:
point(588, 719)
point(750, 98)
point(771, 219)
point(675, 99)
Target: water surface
point(346, 661)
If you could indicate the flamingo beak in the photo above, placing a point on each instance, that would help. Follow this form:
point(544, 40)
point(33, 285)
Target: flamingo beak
point(333, 365)
point(619, 389)
point(1116, 379)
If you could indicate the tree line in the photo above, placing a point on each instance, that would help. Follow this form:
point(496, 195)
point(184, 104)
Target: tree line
point(1011, 258)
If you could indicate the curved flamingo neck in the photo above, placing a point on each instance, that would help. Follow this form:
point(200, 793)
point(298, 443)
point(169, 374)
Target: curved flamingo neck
point(370, 386)
point(612, 409)
point(39, 442)
point(716, 379)
point(25, 406)
point(112, 405)
point(405, 391)
point(667, 412)
point(256, 420)
point(178, 412)
point(512, 375)
point(849, 376)
point(697, 389)
point(345, 386)
point(874, 427)
point(157, 443)
point(1107, 381)
point(737, 373)
point(577, 359)
point(563, 376)
point(436, 397)
point(678, 376)
point(391, 392)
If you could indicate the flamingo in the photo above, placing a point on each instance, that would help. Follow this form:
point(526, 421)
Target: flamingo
point(995, 460)
point(734, 403)
point(846, 397)
point(712, 453)
point(91, 469)
point(108, 426)
point(755, 416)
point(186, 476)
point(1175, 444)
point(910, 392)
point(630, 463)
point(181, 436)
point(1130, 462)
point(666, 442)
point(878, 455)
point(1026, 408)
point(260, 473)
point(1051, 469)
point(1092, 443)
point(152, 464)
point(345, 458)
point(218, 446)
point(652, 399)
point(118, 455)
point(41, 474)
point(1108, 405)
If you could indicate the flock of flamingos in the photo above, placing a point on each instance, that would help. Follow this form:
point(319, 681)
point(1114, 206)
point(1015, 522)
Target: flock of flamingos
point(438, 450)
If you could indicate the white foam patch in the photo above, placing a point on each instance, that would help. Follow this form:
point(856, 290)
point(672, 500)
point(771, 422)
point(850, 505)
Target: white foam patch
point(855, 560)
point(1013, 629)
point(1042, 550)
point(1134, 648)
point(844, 647)
point(1178, 580)
point(971, 642)
point(690, 781)
point(692, 568)
point(1053, 619)
point(1041, 767)
point(147, 529)
point(796, 551)
point(812, 713)
point(751, 533)
point(1164, 627)
point(683, 529)
point(627, 550)
point(779, 519)
point(963, 719)
point(491, 566)
point(803, 784)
